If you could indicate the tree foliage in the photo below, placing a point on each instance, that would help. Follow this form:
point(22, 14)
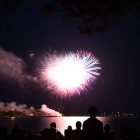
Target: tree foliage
point(10, 4)
point(94, 15)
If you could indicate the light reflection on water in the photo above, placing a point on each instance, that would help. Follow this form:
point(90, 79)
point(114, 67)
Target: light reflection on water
point(37, 124)
point(63, 122)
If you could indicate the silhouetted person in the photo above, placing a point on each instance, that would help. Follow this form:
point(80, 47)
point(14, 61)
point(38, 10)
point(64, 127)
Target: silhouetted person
point(92, 127)
point(3, 133)
point(44, 134)
point(128, 134)
point(53, 133)
point(77, 133)
point(16, 133)
point(29, 135)
point(68, 133)
point(108, 135)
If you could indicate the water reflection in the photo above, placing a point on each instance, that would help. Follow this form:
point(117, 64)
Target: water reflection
point(37, 124)
point(12, 118)
point(63, 122)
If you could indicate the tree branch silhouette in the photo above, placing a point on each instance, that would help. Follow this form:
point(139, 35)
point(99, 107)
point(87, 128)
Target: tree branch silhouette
point(10, 5)
point(94, 15)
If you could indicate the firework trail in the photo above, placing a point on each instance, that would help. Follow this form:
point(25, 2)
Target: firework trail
point(70, 73)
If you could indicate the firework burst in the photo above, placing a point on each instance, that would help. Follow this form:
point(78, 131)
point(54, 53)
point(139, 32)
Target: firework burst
point(70, 73)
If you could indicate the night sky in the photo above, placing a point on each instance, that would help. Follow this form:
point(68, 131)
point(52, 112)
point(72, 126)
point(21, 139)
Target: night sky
point(26, 31)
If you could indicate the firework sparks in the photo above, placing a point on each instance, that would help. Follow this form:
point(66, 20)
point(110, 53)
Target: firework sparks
point(70, 73)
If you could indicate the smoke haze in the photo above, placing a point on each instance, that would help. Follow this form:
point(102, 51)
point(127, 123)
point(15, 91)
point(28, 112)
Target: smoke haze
point(13, 68)
point(49, 112)
point(28, 110)
point(13, 105)
point(13, 71)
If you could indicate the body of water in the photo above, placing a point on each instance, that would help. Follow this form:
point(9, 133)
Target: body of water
point(37, 124)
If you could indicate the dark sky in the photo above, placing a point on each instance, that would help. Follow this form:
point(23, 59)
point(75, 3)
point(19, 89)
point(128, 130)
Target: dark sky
point(25, 31)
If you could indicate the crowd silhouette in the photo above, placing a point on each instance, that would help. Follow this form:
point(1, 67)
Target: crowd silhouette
point(92, 129)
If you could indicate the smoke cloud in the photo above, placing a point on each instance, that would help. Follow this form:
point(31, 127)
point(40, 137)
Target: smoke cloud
point(46, 111)
point(49, 112)
point(13, 71)
point(14, 106)
point(13, 68)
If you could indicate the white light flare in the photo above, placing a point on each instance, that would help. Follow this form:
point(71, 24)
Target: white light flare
point(70, 73)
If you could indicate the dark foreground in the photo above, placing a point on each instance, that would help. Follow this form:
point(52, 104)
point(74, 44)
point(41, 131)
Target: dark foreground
point(51, 133)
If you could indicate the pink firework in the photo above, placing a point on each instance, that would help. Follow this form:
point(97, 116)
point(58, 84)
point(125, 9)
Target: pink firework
point(70, 73)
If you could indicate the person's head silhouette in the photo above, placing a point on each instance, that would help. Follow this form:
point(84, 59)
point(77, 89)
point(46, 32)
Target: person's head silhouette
point(69, 127)
point(78, 125)
point(92, 111)
point(53, 125)
point(107, 128)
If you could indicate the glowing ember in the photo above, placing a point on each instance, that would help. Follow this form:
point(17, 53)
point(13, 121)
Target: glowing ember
point(70, 73)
